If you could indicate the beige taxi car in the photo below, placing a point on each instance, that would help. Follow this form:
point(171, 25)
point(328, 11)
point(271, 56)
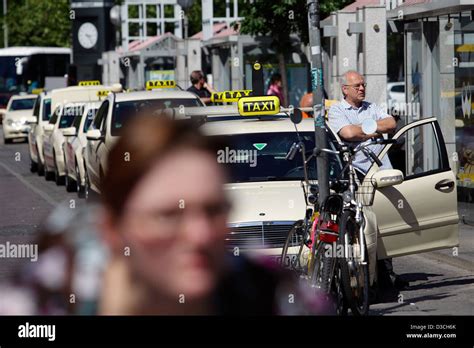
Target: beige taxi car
point(74, 148)
point(417, 215)
point(67, 103)
point(18, 117)
point(42, 114)
point(112, 116)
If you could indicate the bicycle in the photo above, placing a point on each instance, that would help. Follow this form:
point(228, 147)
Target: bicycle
point(346, 215)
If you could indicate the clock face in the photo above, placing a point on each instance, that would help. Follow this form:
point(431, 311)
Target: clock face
point(87, 35)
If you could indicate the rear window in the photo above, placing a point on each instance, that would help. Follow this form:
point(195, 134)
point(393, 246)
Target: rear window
point(398, 89)
point(22, 104)
point(123, 111)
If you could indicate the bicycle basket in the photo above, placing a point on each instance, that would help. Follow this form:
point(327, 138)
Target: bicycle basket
point(366, 192)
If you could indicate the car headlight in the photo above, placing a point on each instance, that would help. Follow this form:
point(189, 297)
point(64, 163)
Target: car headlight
point(9, 122)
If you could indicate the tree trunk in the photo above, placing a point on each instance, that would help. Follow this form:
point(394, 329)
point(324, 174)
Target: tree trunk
point(284, 81)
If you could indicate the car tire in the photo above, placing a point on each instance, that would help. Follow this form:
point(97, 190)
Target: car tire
point(48, 175)
point(40, 169)
point(57, 178)
point(87, 187)
point(7, 141)
point(33, 166)
point(70, 183)
point(79, 188)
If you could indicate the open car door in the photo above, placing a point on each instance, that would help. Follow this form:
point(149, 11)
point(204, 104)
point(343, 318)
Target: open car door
point(420, 214)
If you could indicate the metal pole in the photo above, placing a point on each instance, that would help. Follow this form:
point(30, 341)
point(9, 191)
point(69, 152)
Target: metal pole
point(5, 28)
point(318, 97)
point(186, 61)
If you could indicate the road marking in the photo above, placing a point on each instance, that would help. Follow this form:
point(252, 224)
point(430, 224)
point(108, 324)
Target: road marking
point(43, 195)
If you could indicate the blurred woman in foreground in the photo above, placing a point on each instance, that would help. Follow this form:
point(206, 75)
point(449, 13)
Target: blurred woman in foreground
point(164, 221)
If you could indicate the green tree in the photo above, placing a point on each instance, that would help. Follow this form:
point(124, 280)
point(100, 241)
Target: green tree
point(279, 19)
point(39, 23)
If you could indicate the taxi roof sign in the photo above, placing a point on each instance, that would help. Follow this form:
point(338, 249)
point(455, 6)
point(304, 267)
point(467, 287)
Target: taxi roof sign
point(153, 84)
point(257, 106)
point(230, 96)
point(103, 93)
point(37, 91)
point(89, 83)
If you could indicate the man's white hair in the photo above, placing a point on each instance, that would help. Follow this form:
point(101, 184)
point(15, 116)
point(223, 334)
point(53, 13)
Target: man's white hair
point(343, 79)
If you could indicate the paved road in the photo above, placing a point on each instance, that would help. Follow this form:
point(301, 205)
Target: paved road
point(440, 282)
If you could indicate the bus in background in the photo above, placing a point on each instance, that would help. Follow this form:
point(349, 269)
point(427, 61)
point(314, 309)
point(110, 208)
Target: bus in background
point(24, 69)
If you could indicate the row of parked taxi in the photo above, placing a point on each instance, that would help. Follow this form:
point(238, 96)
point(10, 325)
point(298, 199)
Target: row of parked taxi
point(76, 126)
point(71, 130)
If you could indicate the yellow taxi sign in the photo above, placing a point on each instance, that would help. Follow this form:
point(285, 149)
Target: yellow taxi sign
point(256, 106)
point(103, 93)
point(230, 96)
point(89, 83)
point(152, 84)
point(37, 91)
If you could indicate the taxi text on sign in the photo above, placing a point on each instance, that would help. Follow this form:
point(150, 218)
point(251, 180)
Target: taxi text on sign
point(256, 106)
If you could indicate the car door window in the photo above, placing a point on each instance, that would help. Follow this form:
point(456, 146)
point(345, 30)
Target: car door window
point(97, 123)
point(55, 116)
point(419, 151)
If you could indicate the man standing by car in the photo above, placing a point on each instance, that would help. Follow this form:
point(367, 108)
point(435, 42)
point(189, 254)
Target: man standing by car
point(200, 87)
point(345, 118)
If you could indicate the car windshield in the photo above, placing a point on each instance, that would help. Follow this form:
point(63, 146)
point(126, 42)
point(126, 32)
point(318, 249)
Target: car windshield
point(22, 104)
point(261, 157)
point(124, 110)
point(46, 109)
point(69, 113)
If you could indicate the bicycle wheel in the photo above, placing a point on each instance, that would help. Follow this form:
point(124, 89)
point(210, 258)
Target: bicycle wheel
point(354, 273)
point(326, 275)
point(295, 238)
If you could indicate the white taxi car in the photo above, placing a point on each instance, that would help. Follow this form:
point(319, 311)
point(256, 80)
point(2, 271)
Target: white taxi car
point(111, 117)
point(18, 117)
point(74, 149)
point(42, 113)
point(67, 103)
point(417, 215)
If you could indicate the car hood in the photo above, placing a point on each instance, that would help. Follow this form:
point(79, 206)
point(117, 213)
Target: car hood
point(18, 115)
point(266, 201)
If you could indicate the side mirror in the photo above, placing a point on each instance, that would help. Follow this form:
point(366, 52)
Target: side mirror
point(369, 126)
point(68, 132)
point(48, 127)
point(296, 116)
point(387, 177)
point(94, 134)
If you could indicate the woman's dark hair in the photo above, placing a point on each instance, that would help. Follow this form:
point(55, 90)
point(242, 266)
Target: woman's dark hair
point(145, 140)
point(276, 77)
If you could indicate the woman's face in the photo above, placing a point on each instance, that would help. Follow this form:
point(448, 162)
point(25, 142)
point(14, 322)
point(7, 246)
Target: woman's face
point(175, 224)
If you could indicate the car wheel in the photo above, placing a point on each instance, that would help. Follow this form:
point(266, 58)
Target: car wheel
point(7, 141)
point(87, 187)
point(48, 175)
point(57, 178)
point(70, 183)
point(79, 188)
point(33, 166)
point(40, 165)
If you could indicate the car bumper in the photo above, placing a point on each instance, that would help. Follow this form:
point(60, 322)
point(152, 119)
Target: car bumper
point(12, 132)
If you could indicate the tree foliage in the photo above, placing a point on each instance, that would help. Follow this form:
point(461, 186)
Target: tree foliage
point(280, 18)
point(39, 23)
